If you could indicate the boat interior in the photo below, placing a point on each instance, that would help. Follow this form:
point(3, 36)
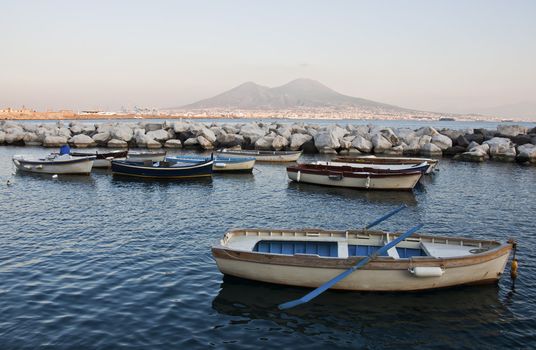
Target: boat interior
point(344, 244)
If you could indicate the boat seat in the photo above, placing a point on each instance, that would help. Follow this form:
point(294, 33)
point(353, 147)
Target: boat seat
point(439, 250)
point(244, 243)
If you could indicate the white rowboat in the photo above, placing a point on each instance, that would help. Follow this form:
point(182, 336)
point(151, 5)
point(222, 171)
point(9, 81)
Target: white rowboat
point(309, 258)
point(54, 164)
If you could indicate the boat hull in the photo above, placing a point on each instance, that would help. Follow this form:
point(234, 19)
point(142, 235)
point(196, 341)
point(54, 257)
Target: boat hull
point(389, 160)
point(103, 160)
point(73, 167)
point(140, 170)
point(263, 156)
point(235, 165)
point(371, 182)
point(384, 274)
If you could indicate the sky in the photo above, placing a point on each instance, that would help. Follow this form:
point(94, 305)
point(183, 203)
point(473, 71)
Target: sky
point(446, 56)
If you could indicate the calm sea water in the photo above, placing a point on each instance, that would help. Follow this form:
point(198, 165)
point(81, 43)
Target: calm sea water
point(102, 262)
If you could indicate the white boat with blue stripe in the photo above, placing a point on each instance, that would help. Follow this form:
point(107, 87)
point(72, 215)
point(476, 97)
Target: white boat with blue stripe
point(221, 164)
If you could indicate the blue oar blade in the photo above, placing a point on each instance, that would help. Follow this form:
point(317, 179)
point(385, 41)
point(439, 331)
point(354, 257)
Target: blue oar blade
point(313, 294)
point(386, 216)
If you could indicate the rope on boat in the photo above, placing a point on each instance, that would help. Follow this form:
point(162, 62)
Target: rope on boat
point(514, 265)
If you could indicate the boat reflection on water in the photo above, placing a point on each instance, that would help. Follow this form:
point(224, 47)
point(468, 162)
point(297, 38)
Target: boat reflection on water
point(449, 313)
point(60, 178)
point(205, 181)
point(383, 197)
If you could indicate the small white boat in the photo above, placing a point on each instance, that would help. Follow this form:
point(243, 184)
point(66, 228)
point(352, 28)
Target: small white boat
point(354, 177)
point(141, 156)
point(422, 167)
point(372, 159)
point(309, 258)
point(221, 164)
point(262, 156)
point(54, 164)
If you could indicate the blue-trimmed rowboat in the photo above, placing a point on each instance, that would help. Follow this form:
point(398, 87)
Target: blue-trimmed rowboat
point(423, 167)
point(262, 156)
point(221, 164)
point(310, 257)
point(162, 170)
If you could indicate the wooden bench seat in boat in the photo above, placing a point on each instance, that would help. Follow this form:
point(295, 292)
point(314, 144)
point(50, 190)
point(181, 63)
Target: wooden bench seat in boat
point(439, 250)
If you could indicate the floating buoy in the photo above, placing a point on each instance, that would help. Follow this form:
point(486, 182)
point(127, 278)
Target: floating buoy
point(513, 269)
point(8, 182)
point(55, 176)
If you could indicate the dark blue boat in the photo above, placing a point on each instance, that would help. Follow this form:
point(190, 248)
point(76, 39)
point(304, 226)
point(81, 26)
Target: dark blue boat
point(162, 170)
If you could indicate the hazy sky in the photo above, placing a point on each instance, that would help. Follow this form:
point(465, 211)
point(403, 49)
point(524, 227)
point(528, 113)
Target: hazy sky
point(431, 55)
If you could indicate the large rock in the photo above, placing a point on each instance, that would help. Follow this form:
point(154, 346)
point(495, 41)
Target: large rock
point(406, 135)
point(173, 144)
point(478, 138)
point(452, 151)
point(55, 141)
point(390, 136)
point(337, 131)
point(362, 144)
point(158, 135)
point(204, 143)
point(285, 132)
point(31, 139)
point(150, 143)
point(153, 127)
point(426, 131)
point(521, 139)
point(230, 140)
point(179, 127)
point(121, 132)
point(412, 149)
point(115, 143)
point(501, 149)
point(207, 134)
point(512, 130)
point(102, 138)
point(264, 143)
point(77, 128)
point(442, 141)
point(297, 140)
point(527, 153)
point(279, 143)
point(431, 150)
point(380, 143)
point(82, 141)
point(326, 140)
point(14, 134)
point(475, 155)
point(191, 142)
point(461, 141)
point(251, 133)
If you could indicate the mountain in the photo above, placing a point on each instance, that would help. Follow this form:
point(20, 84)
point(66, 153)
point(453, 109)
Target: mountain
point(299, 93)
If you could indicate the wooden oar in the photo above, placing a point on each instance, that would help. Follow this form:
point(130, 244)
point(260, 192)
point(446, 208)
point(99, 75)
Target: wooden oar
point(311, 295)
point(386, 216)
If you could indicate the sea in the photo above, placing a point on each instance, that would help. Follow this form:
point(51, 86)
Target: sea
point(104, 262)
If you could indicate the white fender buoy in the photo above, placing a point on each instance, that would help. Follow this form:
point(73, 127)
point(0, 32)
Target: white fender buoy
point(427, 271)
point(55, 176)
point(298, 176)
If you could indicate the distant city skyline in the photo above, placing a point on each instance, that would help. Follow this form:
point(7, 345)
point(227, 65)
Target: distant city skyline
point(456, 56)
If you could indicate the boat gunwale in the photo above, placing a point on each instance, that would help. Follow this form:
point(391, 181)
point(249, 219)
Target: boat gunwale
point(324, 170)
point(497, 250)
point(55, 162)
point(258, 152)
point(124, 163)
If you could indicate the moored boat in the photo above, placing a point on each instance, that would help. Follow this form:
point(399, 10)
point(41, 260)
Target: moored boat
point(54, 164)
point(372, 159)
point(221, 164)
point(309, 258)
point(162, 170)
point(262, 156)
point(140, 156)
point(345, 176)
point(422, 167)
point(102, 159)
